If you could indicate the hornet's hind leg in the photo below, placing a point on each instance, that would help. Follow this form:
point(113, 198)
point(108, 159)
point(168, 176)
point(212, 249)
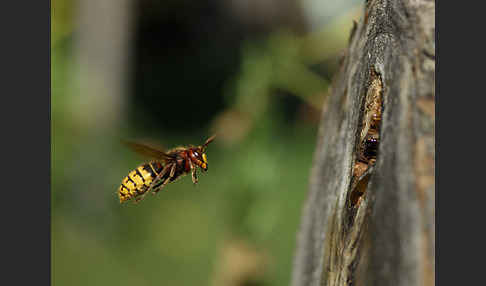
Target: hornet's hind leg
point(166, 181)
point(156, 179)
point(161, 186)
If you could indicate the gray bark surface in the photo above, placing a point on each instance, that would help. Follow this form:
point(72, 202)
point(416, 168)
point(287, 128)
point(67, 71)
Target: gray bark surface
point(377, 227)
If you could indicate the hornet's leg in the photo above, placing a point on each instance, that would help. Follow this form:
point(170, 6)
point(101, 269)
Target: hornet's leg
point(159, 177)
point(171, 175)
point(172, 170)
point(193, 172)
point(194, 175)
point(161, 186)
point(139, 198)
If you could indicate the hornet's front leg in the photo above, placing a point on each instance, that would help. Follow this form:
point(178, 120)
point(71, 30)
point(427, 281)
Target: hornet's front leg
point(193, 172)
point(194, 175)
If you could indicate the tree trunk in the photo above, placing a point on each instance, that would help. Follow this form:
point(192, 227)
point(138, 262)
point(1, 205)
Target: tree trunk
point(370, 213)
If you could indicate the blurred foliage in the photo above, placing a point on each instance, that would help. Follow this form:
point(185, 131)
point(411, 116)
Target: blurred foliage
point(240, 222)
point(61, 20)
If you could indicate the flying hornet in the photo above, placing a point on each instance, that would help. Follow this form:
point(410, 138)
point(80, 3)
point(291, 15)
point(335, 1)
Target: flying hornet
point(165, 167)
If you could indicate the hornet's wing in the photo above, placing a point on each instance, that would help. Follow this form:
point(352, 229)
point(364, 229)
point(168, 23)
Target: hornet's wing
point(144, 149)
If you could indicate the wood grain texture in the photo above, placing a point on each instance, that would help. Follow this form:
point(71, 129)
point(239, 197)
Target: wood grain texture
point(389, 238)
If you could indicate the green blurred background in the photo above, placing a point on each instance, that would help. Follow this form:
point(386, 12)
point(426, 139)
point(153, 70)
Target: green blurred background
point(257, 73)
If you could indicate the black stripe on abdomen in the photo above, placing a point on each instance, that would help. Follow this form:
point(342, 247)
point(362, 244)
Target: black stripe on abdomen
point(150, 170)
point(128, 189)
point(140, 174)
point(153, 168)
point(130, 179)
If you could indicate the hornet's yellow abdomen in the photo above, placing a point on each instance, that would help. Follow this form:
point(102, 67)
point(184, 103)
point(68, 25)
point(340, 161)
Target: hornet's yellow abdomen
point(138, 181)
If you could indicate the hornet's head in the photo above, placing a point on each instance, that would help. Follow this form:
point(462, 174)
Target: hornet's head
point(201, 154)
point(202, 158)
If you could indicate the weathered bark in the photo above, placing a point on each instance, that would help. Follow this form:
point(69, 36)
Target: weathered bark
point(370, 222)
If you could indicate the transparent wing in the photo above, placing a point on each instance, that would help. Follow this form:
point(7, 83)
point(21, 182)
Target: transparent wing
point(146, 150)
